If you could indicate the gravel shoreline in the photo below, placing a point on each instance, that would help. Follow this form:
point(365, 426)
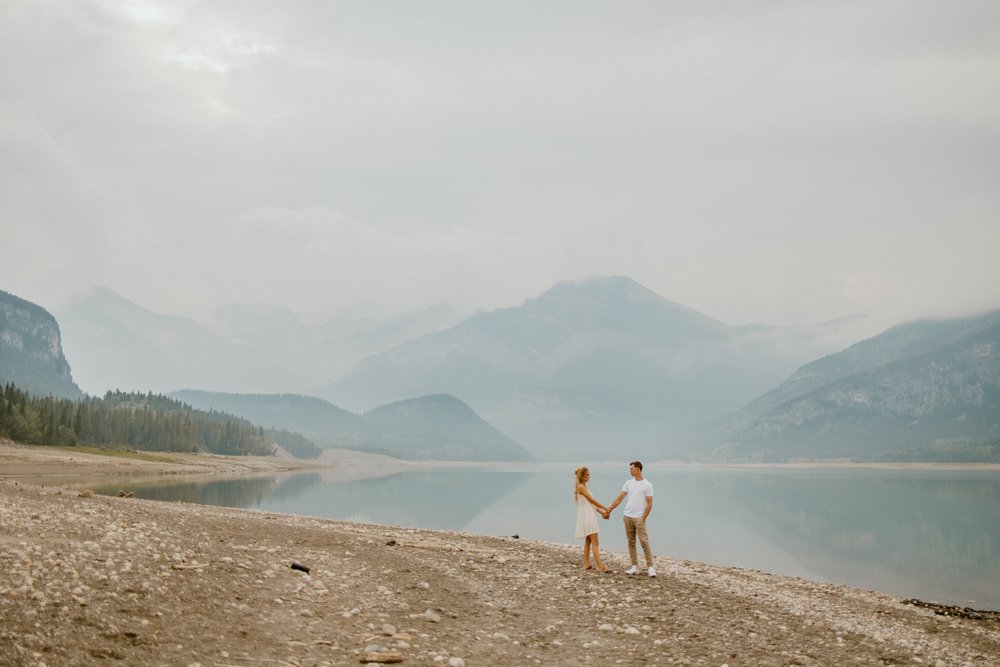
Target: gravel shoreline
point(98, 580)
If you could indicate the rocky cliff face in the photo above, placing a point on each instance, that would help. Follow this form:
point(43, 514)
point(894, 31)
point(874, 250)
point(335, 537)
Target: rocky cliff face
point(31, 355)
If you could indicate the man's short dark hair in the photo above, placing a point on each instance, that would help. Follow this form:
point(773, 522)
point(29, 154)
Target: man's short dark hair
point(637, 464)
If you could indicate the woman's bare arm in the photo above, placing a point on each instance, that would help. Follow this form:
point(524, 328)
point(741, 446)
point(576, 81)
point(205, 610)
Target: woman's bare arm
point(585, 492)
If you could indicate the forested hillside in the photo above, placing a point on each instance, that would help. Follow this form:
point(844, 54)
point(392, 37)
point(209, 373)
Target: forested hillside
point(137, 421)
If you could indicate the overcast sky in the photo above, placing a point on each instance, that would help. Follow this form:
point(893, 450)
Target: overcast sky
point(781, 162)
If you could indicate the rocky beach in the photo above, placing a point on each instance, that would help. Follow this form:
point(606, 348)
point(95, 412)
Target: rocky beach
point(88, 579)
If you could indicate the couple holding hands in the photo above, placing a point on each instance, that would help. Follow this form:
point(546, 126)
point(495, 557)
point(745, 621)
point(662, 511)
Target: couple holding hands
point(638, 496)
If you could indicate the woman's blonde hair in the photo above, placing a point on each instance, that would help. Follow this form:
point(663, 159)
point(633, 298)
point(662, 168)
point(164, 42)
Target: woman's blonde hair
point(580, 473)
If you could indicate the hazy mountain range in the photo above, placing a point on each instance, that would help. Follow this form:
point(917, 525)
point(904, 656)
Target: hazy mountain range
point(589, 368)
point(581, 369)
point(116, 343)
point(430, 427)
point(586, 371)
point(316, 353)
point(927, 390)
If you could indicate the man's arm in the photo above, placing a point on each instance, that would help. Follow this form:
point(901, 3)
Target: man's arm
point(649, 508)
point(617, 501)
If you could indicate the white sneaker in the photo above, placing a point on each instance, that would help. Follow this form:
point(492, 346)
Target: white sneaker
point(632, 570)
point(652, 571)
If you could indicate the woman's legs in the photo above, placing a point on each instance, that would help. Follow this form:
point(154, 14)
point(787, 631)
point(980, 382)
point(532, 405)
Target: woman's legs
point(586, 551)
point(597, 552)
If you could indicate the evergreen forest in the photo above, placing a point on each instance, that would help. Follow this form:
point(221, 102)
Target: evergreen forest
point(129, 420)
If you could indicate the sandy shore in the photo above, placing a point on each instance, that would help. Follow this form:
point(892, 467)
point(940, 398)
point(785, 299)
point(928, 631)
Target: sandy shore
point(97, 580)
point(30, 461)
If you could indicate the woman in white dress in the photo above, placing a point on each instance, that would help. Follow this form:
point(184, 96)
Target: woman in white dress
point(587, 510)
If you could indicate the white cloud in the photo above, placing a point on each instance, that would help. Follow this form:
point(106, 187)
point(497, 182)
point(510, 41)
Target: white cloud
point(768, 162)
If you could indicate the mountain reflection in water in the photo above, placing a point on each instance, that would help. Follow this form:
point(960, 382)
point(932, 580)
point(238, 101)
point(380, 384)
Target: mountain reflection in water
point(228, 492)
point(918, 533)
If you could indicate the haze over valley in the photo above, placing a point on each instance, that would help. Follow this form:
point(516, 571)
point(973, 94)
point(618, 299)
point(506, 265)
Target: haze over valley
point(595, 370)
point(579, 367)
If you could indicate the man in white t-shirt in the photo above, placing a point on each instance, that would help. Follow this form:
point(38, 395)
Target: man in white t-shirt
point(638, 495)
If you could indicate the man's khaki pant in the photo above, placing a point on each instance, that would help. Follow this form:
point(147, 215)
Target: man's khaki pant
point(632, 528)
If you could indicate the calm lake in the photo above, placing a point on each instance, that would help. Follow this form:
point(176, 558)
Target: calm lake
point(930, 534)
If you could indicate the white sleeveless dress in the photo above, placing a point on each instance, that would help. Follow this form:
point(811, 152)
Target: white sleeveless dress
point(586, 518)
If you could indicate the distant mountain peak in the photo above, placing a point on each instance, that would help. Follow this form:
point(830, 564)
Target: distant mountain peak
point(100, 293)
point(99, 298)
point(433, 401)
point(619, 300)
point(597, 287)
